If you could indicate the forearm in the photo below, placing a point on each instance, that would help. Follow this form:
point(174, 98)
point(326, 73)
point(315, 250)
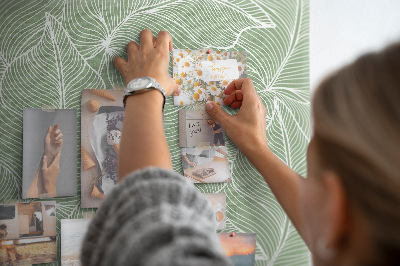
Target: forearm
point(143, 141)
point(36, 188)
point(283, 181)
point(185, 158)
point(50, 189)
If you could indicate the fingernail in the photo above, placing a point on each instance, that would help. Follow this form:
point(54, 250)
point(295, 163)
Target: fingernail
point(209, 106)
point(44, 157)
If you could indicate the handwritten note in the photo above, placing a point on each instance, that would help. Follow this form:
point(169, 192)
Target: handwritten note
point(194, 128)
point(219, 70)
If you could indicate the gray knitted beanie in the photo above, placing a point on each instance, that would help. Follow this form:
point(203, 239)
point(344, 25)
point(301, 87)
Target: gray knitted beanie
point(153, 217)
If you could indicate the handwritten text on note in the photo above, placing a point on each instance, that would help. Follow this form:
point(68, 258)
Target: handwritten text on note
point(219, 70)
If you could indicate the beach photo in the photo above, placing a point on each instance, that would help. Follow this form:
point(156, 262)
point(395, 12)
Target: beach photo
point(72, 233)
point(198, 128)
point(206, 164)
point(239, 247)
point(49, 153)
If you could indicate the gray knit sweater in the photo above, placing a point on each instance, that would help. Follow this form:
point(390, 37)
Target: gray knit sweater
point(153, 217)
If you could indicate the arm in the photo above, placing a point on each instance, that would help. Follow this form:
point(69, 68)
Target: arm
point(143, 129)
point(36, 186)
point(205, 122)
point(53, 143)
point(45, 179)
point(184, 157)
point(250, 122)
point(222, 152)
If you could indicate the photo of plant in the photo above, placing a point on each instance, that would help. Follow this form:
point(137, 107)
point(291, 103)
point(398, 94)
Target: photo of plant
point(36, 241)
point(204, 74)
point(206, 164)
point(102, 117)
point(72, 233)
point(239, 247)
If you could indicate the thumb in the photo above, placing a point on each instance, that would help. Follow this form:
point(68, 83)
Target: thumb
point(218, 113)
point(49, 131)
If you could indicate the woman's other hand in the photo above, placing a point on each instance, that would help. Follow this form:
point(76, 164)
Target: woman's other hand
point(247, 128)
point(149, 59)
point(50, 174)
point(53, 142)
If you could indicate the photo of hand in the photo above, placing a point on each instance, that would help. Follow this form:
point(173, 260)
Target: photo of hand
point(44, 182)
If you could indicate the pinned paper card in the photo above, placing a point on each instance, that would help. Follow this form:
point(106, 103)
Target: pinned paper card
point(102, 113)
point(240, 248)
point(218, 201)
point(204, 76)
point(206, 164)
point(73, 232)
point(28, 233)
point(198, 128)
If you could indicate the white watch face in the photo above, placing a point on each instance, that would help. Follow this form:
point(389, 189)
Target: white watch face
point(140, 83)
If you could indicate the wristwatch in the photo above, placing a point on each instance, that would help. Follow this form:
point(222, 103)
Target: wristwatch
point(143, 85)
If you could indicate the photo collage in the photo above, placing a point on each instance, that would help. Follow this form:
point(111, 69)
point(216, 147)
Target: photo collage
point(28, 230)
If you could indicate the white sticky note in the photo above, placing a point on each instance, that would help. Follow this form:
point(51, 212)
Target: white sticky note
point(219, 70)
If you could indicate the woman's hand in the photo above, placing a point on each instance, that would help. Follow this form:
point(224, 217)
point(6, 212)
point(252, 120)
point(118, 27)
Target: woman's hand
point(50, 174)
point(53, 143)
point(247, 128)
point(150, 59)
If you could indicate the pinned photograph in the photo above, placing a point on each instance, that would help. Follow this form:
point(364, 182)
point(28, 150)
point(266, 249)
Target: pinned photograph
point(206, 164)
point(34, 241)
point(239, 247)
point(198, 128)
point(49, 153)
point(72, 234)
point(218, 201)
point(204, 74)
point(102, 116)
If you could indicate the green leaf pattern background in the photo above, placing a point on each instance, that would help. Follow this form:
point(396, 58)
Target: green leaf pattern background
point(51, 50)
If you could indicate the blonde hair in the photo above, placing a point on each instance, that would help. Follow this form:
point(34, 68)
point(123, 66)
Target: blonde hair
point(356, 115)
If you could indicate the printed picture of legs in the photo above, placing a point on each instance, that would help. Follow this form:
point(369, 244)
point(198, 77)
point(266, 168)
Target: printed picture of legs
point(44, 182)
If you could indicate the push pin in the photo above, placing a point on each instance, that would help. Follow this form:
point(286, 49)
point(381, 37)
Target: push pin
point(208, 51)
point(232, 234)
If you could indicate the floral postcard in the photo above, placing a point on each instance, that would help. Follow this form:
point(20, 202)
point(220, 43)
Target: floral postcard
point(204, 74)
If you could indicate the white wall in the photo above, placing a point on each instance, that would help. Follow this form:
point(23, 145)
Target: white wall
point(341, 30)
